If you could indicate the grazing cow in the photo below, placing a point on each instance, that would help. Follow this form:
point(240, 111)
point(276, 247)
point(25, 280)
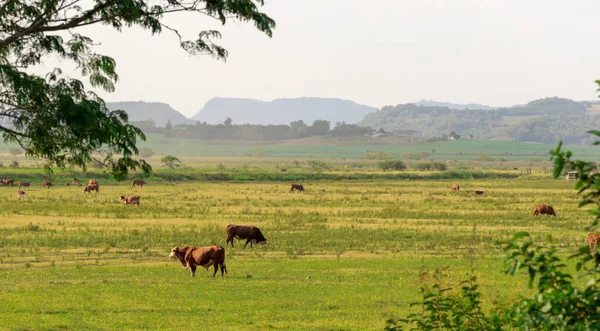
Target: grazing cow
point(298, 187)
point(91, 187)
point(137, 182)
point(593, 239)
point(515, 168)
point(75, 181)
point(477, 193)
point(47, 184)
point(24, 184)
point(192, 256)
point(251, 233)
point(130, 200)
point(455, 187)
point(21, 194)
point(7, 182)
point(544, 209)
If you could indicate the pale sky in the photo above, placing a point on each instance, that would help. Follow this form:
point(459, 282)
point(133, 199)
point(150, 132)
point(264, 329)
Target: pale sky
point(373, 52)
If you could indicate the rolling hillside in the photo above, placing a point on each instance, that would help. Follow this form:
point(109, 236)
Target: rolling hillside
point(281, 111)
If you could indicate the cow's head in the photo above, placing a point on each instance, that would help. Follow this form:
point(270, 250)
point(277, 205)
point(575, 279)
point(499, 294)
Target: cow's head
point(262, 242)
point(174, 252)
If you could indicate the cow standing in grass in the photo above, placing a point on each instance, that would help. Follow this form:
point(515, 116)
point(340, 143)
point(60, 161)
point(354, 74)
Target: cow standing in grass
point(192, 256)
point(6, 182)
point(24, 184)
point(130, 200)
point(297, 187)
point(251, 233)
point(478, 193)
point(21, 194)
point(137, 182)
point(543, 209)
point(47, 184)
point(593, 239)
point(455, 187)
point(91, 187)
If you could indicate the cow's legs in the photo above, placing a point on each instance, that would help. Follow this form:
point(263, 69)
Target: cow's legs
point(193, 268)
point(216, 269)
point(247, 241)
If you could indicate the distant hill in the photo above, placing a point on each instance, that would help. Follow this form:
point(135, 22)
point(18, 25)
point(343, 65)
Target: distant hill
point(282, 111)
point(545, 120)
point(157, 111)
point(432, 103)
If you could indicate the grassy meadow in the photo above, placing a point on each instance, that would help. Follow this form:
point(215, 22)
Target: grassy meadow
point(344, 255)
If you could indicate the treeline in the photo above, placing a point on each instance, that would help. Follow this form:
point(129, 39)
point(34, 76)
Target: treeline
point(433, 120)
point(552, 129)
point(253, 132)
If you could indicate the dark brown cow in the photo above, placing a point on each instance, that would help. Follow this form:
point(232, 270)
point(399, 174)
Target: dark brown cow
point(7, 182)
point(24, 184)
point(544, 209)
point(192, 256)
point(251, 233)
point(477, 193)
point(137, 182)
point(298, 187)
point(93, 187)
point(47, 184)
point(21, 194)
point(130, 199)
point(593, 239)
point(455, 187)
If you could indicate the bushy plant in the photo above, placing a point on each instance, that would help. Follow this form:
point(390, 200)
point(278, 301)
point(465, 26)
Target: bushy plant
point(391, 165)
point(557, 304)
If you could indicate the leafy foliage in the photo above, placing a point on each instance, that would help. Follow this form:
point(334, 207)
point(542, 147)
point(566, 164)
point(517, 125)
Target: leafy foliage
point(558, 302)
point(170, 161)
point(53, 116)
point(391, 165)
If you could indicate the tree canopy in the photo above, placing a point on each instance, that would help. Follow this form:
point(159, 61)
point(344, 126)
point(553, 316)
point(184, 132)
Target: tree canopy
point(53, 116)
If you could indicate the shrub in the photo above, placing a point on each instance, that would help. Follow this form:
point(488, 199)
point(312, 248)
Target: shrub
point(14, 164)
point(557, 303)
point(391, 165)
point(429, 166)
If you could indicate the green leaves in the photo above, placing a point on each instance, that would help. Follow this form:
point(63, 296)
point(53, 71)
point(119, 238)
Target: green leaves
point(53, 117)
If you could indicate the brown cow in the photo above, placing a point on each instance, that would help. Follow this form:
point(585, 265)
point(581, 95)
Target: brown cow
point(251, 233)
point(76, 181)
point(21, 194)
point(93, 182)
point(477, 193)
point(7, 182)
point(47, 184)
point(298, 187)
point(455, 187)
point(91, 187)
point(130, 200)
point(593, 239)
point(137, 182)
point(24, 184)
point(192, 256)
point(544, 209)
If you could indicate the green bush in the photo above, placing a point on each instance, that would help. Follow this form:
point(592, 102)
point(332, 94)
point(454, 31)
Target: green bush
point(557, 303)
point(391, 165)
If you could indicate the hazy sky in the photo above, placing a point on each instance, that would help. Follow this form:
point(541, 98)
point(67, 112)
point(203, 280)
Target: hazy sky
point(374, 52)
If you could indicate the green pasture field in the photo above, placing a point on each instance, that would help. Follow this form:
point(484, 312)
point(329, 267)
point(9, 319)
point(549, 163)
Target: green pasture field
point(348, 148)
point(344, 255)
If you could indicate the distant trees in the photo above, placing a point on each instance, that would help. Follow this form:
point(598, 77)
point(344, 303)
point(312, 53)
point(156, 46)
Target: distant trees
point(253, 132)
point(14, 151)
point(552, 129)
point(146, 152)
point(391, 165)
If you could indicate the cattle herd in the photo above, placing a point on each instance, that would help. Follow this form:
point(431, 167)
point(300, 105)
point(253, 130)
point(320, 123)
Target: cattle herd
point(92, 186)
point(191, 256)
